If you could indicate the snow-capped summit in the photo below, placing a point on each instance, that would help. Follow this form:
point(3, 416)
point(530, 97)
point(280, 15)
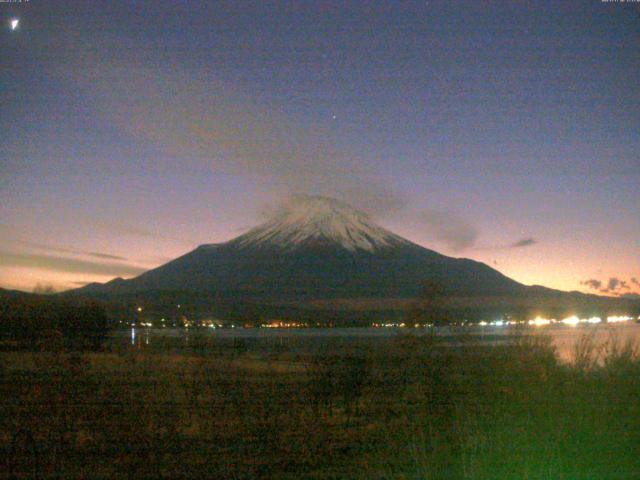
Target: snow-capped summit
point(307, 219)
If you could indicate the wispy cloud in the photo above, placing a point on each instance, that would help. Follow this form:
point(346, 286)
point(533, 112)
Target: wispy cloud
point(68, 264)
point(447, 227)
point(592, 283)
point(613, 285)
point(74, 251)
point(125, 229)
point(214, 125)
point(525, 242)
point(20, 239)
point(522, 243)
point(204, 120)
point(362, 192)
point(106, 256)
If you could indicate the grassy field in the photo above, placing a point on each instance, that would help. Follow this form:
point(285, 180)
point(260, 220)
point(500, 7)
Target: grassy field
point(405, 408)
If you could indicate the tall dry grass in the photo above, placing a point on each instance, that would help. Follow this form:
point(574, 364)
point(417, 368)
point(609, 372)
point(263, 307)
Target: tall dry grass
point(414, 407)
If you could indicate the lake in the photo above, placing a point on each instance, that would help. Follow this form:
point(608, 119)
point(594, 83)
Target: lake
point(564, 337)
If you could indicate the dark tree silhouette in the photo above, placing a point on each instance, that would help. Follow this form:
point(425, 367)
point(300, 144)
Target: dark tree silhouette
point(40, 322)
point(428, 307)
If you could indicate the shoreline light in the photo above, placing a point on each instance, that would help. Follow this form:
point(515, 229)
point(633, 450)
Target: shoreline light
point(573, 320)
point(539, 321)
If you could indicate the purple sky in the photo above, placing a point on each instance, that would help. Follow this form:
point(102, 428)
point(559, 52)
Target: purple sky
point(506, 132)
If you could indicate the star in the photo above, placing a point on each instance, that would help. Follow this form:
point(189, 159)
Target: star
point(14, 23)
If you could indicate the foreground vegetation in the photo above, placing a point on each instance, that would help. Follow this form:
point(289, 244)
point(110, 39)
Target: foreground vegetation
point(407, 408)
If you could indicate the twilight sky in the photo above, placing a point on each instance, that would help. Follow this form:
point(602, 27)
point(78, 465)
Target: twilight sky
point(506, 131)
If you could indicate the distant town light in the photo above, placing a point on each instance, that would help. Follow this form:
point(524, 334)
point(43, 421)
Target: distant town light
point(573, 320)
point(539, 321)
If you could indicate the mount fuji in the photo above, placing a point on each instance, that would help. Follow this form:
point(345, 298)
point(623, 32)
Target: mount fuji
point(319, 258)
point(315, 248)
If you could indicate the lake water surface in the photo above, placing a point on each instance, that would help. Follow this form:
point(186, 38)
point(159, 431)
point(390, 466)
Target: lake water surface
point(563, 337)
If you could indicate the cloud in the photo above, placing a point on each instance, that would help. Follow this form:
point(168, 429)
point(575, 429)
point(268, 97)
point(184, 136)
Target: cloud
point(592, 283)
point(125, 229)
point(447, 227)
point(522, 243)
point(525, 242)
point(213, 124)
point(116, 227)
point(19, 239)
point(74, 251)
point(635, 281)
point(362, 192)
point(612, 284)
point(106, 256)
point(204, 119)
point(67, 264)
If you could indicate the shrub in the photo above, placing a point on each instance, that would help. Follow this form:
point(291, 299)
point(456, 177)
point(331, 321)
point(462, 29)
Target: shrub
point(33, 321)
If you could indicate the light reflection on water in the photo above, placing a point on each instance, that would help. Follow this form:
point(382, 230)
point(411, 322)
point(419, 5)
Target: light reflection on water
point(564, 337)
